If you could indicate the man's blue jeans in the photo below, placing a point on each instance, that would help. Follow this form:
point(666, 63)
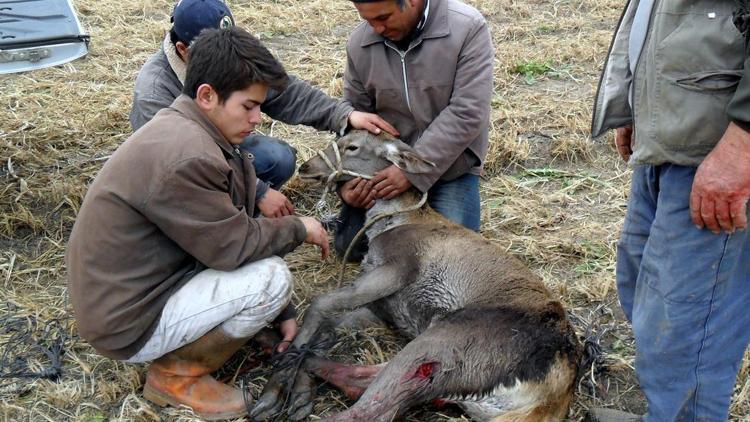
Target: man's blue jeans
point(687, 293)
point(275, 160)
point(457, 200)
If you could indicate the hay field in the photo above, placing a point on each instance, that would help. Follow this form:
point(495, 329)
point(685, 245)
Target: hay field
point(552, 196)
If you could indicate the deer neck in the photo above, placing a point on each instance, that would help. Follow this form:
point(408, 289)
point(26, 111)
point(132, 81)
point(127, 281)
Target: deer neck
point(387, 214)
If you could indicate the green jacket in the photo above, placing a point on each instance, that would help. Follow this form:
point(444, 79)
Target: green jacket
point(690, 82)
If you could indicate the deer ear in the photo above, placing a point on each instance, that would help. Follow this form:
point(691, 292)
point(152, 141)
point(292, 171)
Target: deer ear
point(406, 158)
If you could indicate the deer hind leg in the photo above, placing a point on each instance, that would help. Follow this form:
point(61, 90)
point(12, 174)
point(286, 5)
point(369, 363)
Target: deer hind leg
point(460, 361)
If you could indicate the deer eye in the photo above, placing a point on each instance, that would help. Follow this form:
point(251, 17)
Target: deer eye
point(352, 147)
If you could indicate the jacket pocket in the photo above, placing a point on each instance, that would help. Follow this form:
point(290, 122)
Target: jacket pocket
point(710, 81)
point(697, 65)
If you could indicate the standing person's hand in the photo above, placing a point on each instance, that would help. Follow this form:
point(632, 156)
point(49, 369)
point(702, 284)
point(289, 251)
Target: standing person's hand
point(358, 193)
point(721, 187)
point(274, 204)
point(370, 122)
point(289, 330)
point(316, 235)
point(390, 182)
point(624, 141)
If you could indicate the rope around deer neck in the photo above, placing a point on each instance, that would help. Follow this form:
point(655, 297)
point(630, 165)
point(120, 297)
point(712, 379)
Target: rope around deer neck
point(368, 223)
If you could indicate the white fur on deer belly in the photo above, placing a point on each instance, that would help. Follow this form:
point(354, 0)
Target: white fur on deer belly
point(500, 400)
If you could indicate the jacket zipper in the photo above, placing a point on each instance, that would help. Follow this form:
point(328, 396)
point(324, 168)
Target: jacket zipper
point(244, 179)
point(402, 55)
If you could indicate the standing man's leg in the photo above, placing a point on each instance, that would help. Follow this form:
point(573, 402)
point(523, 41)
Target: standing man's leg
point(275, 160)
point(689, 310)
point(458, 200)
point(644, 192)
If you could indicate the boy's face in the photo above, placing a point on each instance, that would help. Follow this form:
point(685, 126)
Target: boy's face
point(387, 19)
point(237, 117)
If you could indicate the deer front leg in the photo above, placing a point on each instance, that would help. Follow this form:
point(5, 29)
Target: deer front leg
point(369, 287)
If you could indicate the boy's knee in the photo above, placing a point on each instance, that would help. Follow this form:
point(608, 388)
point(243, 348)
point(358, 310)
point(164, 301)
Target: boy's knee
point(280, 277)
point(274, 274)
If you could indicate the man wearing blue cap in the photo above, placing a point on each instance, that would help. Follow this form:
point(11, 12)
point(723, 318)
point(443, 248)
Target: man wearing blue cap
point(161, 80)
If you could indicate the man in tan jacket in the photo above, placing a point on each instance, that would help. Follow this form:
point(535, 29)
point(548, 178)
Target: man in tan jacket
point(165, 262)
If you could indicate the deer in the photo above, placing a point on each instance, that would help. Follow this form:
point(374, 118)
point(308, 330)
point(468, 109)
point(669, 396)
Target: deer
point(486, 333)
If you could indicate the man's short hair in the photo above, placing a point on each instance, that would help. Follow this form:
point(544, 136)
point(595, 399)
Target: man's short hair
point(231, 60)
point(190, 17)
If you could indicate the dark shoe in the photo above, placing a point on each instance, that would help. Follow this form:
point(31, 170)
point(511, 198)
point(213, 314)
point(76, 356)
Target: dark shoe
point(610, 415)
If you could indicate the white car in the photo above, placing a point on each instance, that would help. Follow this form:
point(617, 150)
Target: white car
point(39, 33)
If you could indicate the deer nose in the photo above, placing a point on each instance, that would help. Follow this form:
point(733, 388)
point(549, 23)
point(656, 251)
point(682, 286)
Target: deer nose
point(304, 167)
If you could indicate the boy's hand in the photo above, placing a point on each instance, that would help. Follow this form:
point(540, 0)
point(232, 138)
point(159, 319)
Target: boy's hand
point(288, 329)
point(274, 204)
point(371, 122)
point(316, 235)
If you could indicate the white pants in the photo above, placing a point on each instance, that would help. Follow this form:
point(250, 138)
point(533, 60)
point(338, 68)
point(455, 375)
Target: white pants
point(241, 301)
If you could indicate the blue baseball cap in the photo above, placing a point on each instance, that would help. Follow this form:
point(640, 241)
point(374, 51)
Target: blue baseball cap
point(190, 17)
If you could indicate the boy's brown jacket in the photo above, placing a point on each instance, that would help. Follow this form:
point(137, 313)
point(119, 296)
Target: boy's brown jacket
point(175, 198)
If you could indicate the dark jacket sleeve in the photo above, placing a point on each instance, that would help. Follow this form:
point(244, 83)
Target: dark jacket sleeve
point(145, 106)
point(156, 87)
point(301, 103)
point(192, 206)
point(468, 113)
point(739, 107)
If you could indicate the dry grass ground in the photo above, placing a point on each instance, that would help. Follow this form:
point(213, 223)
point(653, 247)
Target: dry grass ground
point(552, 196)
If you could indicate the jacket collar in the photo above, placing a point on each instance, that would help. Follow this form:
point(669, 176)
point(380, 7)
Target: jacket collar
point(435, 27)
point(186, 105)
point(178, 66)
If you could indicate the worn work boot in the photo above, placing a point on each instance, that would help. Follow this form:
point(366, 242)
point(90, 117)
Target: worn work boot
point(182, 377)
point(610, 415)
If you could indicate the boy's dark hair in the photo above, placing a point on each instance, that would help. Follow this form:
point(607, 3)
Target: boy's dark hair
point(231, 60)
